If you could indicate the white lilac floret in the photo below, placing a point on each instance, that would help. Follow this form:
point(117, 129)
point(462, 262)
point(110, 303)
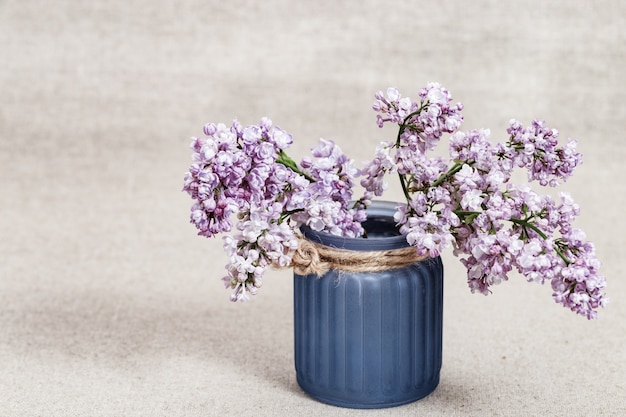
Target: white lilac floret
point(243, 174)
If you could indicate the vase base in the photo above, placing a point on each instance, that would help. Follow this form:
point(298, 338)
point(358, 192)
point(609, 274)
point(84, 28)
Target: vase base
point(369, 401)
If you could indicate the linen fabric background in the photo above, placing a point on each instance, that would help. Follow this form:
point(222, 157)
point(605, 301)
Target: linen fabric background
point(110, 305)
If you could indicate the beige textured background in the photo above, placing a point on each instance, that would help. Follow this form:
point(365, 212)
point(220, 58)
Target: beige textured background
point(111, 306)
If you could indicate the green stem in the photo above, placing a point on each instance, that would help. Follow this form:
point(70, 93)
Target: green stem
point(525, 224)
point(404, 124)
point(288, 213)
point(453, 170)
point(286, 161)
point(403, 127)
point(463, 215)
point(405, 190)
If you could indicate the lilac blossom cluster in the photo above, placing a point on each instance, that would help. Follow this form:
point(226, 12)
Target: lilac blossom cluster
point(327, 204)
point(469, 203)
point(466, 201)
point(243, 173)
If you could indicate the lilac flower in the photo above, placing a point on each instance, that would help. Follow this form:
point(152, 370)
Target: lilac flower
point(472, 147)
point(489, 262)
point(425, 226)
point(376, 169)
point(393, 108)
point(422, 124)
point(328, 206)
point(536, 148)
point(245, 171)
point(262, 241)
point(579, 285)
point(466, 201)
point(494, 226)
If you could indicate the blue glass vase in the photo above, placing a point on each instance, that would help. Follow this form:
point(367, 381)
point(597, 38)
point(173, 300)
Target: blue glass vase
point(369, 339)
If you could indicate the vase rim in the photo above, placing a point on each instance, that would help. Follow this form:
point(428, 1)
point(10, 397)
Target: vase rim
point(377, 209)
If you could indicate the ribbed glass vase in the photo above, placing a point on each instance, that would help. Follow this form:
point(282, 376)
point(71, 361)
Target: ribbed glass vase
point(369, 339)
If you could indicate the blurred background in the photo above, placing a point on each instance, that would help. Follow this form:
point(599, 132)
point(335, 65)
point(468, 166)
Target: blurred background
point(111, 305)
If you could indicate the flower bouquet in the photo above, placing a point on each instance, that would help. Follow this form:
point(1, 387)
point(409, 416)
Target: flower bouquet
point(243, 174)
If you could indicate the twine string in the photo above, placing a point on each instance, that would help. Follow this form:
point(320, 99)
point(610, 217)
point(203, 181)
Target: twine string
point(315, 258)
